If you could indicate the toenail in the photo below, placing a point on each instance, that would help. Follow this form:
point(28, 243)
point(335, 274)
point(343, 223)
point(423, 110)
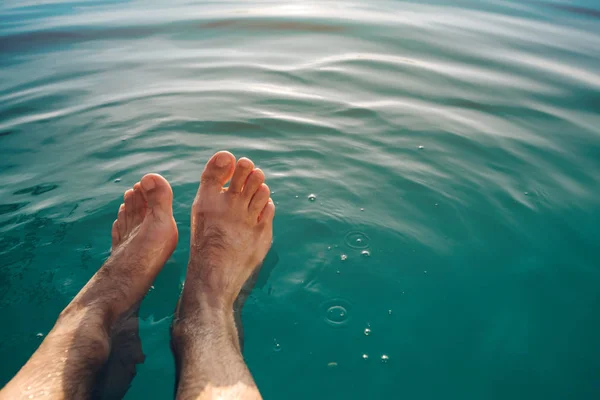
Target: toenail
point(148, 184)
point(222, 160)
point(245, 163)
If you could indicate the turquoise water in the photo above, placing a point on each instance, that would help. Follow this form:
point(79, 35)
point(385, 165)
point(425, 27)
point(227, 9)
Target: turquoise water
point(457, 143)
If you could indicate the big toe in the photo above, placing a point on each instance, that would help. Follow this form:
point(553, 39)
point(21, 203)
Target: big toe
point(157, 192)
point(218, 170)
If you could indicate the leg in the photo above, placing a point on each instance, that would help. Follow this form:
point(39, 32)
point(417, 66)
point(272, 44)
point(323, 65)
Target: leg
point(66, 363)
point(115, 377)
point(231, 233)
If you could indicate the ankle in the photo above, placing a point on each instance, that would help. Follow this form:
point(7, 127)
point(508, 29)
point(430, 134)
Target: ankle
point(208, 284)
point(88, 326)
point(199, 301)
point(202, 317)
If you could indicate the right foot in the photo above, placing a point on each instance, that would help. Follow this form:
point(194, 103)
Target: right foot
point(231, 228)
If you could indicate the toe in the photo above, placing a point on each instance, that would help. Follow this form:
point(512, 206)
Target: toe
point(267, 214)
point(157, 192)
point(259, 201)
point(122, 221)
point(128, 200)
point(115, 234)
point(218, 170)
point(139, 205)
point(256, 178)
point(243, 168)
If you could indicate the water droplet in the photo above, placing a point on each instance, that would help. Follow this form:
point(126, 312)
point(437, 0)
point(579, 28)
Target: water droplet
point(390, 312)
point(39, 334)
point(336, 314)
point(365, 253)
point(332, 364)
point(343, 257)
point(367, 331)
point(384, 358)
point(365, 356)
point(352, 240)
point(312, 197)
point(117, 180)
point(421, 147)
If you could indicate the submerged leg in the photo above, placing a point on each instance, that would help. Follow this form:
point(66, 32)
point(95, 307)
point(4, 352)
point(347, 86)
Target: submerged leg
point(67, 362)
point(231, 233)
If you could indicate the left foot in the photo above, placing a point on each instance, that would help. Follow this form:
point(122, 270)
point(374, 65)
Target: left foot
point(143, 238)
point(66, 363)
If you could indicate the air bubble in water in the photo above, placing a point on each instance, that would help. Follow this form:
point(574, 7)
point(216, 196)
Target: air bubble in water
point(332, 364)
point(362, 209)
point(343, 257)
point(356, 240)
point(336, 314)
point(384, 358)
point(39, 334)
point(365, 253)
point(390, 312)
point(421, 147)
point(276, 345)
point(367, 331)
point(312, 197)
point(365, 356)
point(117, 180)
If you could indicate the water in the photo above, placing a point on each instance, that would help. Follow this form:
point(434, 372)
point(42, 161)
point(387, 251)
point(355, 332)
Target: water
point(457, 138)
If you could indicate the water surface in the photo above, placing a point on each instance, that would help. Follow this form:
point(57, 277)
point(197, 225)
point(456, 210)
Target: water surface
point(457, 143)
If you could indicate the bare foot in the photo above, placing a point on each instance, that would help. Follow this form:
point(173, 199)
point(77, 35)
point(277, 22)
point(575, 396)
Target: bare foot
point(143, 238)
point(231, 233)
point(66, 363)
point(116, 375)
point(232, 227)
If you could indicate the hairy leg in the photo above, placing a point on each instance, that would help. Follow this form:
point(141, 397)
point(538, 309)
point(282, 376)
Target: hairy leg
point(231, 233)
point(144, 237)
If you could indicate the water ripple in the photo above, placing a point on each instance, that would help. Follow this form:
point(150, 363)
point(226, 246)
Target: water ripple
point(458, 139)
